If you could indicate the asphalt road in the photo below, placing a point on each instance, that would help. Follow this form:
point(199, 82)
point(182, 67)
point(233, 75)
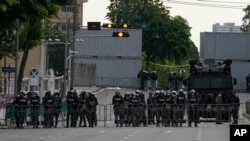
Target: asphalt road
point(208, 131)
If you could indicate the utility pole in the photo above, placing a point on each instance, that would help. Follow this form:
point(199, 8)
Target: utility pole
point(41, 72)
point(73, 44)
point(16, 59)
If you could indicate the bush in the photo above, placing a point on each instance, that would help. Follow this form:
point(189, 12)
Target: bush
point(248, 106)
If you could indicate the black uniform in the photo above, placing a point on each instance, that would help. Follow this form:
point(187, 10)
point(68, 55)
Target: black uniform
point(167, 115)
point(153, 80)
point(71, 108)
point(174, 109)
point(151, 106)
point(92, 104)
point(235, 105)
point(20, 110)
point(117, 102)
point(48, 110)
point(142, 109)
point(127, 109)
point(82, 107)
point(57, 105)
point(35, 109)
point(134, 110)
point(181, 101)
point(160, 104)
point(192, 100)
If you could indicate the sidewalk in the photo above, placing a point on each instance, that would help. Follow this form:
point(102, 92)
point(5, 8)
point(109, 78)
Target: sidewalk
point(89, 89)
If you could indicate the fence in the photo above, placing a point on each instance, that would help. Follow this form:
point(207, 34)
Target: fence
point(137, 115)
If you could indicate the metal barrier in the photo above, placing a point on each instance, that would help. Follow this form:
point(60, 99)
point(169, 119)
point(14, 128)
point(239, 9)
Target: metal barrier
point(110, 115)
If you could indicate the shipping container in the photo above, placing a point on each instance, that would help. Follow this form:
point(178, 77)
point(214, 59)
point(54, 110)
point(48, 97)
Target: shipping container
point(107, 61)
point(225, 45)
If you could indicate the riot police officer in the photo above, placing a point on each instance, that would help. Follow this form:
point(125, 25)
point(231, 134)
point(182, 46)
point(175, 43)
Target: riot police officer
point(219, 105)
point(117, 102)
point(173, 109)
point(160, 103)
point(134, 110)
point(57, 105)
point(151, 108)
point(35, 109)
point(71, 108)
point(168, 99)
point(20, 109)
point(48, 109)
point(92, 104)
point(127, 109)
point(142, 108)
point(82, 106)
point(235, 105)
point(192, 100)
point(181, 101)
point(153, 80)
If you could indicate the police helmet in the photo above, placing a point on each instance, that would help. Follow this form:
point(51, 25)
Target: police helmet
point(34, 94)
point(137, 91)
point(157, 92)
point(168, 92)
point(83, 93)
point(47, 93)
point(180, 91)
point(56, 94)
point(127, 94)
point(117, 93)
point(192, 91)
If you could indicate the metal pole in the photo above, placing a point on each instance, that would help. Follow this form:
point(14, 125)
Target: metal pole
point(73, 45)
point(41, 83)
point(65, 55)
point(16, 59)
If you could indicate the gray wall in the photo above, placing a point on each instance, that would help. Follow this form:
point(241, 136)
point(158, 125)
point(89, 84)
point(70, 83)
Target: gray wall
point(103, 60)
point(236, 46)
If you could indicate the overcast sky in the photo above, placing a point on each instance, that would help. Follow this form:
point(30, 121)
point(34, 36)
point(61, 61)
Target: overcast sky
point(200, 14)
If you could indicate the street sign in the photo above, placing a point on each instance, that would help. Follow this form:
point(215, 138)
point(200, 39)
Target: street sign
point(8, 69)
point(34, 76)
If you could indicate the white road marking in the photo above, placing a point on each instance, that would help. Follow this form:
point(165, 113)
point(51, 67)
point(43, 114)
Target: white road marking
point(50, 136)
point(168, 131)
point(126, 138)
point(199, 134)
point(130, 135)
point(41, 138)
point(101, 131)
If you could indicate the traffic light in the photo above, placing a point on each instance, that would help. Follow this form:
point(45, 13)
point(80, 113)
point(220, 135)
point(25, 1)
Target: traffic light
point(120, 34)
point(109, 25)
point(124, 25)
point(94, 25)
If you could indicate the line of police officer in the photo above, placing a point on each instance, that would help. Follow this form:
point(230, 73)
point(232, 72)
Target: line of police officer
point(83, 107)
point(168, 108)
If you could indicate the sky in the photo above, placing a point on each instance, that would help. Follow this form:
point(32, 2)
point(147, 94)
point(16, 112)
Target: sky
point(200, 14)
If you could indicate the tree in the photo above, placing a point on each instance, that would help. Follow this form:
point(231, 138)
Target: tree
point(165, 38)
point(30, 14)
point(245, 27)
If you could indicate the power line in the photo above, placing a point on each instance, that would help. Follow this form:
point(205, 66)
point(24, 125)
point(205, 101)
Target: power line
point(224, 1)
point(204, 5)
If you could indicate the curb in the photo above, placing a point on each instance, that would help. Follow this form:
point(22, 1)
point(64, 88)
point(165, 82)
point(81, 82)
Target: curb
point(246, 116)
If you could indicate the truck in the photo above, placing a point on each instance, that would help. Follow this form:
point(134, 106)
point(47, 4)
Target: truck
point(209, 78)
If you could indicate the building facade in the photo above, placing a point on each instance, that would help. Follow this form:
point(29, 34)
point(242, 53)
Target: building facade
point(57, 23)
point(226, 27)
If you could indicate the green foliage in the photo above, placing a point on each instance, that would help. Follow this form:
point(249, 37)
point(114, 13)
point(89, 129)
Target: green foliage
point(248, 106)
point(245, 27)
point(165, 38)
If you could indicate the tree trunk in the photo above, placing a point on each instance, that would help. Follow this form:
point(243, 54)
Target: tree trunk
point(22, 67)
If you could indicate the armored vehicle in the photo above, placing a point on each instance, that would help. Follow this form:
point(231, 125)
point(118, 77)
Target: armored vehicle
point(210, 78)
